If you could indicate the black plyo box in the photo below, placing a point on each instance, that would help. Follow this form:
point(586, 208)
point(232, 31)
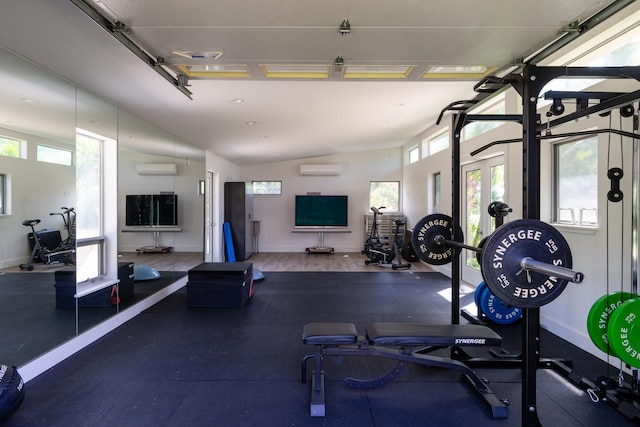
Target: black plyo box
point(219, 284)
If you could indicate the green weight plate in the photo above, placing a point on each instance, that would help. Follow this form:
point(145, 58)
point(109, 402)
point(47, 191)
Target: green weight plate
point(478, 293)
point(624, 332)
point(598, 318)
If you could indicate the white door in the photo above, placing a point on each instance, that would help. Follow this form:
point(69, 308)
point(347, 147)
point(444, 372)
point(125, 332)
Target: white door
point(212, 242)
point(483, 183)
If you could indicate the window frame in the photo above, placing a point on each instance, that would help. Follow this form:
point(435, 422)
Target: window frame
point(21, 147)
point(279, 182)
point(576, 217)
point(373, 202)
point(428, 141)
point(52, 149)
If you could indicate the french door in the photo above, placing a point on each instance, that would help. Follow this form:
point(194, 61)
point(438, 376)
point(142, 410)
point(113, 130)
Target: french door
point(483, 183)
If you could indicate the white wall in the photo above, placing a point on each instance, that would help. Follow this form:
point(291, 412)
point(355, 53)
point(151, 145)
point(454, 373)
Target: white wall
point(185, 185)
point(37, 189)
point(276, 213)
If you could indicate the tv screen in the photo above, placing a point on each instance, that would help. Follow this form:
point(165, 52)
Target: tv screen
point(151, 210)
point(321, 211)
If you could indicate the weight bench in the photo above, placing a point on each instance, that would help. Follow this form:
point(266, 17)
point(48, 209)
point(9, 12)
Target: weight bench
point(404, 342)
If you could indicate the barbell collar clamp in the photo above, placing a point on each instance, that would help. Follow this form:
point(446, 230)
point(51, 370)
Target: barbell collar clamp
point(563, 273)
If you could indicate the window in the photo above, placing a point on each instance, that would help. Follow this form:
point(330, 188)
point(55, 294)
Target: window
point(90, 246)
point(385, 193)
point(267, 187)
point(434, 144)
point(474, 129)
point(54, 155)
point(12, 147)
point(576, 182)
point(3, 194)
point(414, 154)
point(437, 198)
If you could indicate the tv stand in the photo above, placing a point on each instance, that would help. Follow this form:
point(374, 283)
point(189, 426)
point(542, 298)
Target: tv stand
point(321, 248)
point(156, 247)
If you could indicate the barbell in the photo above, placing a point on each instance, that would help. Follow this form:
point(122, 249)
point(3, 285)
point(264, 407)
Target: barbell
point(526, 263)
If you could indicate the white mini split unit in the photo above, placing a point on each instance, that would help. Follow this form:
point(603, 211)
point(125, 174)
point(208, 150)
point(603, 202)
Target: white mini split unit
point(157, 169)
point(320, 170)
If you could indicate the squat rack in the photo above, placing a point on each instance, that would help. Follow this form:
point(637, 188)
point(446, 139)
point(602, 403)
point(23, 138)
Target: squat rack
point(529, 84)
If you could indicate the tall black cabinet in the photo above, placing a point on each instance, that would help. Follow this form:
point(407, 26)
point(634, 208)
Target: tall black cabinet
point(238, 212)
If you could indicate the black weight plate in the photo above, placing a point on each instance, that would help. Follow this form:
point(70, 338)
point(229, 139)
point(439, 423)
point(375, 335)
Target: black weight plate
point(506, 248)
point(424, 237)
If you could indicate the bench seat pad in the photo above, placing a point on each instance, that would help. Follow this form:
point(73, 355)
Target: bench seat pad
point(329, 333)
point(418, 334)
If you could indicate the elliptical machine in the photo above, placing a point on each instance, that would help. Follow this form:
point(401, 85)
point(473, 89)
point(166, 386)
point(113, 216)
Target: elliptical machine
point(377, 252)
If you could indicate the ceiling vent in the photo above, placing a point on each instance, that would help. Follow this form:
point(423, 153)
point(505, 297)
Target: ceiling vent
point(320, 170)
point(157, 169)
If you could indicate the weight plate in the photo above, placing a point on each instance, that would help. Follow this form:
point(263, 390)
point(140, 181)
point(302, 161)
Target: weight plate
point(480, 246)
point(624, 332)
point(479, 290)
point(498, 311)
point(504, 251)
point(598, 318)
point(424, 237)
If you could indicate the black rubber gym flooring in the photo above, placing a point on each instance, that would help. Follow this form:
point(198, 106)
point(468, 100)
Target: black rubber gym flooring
point(180, 366)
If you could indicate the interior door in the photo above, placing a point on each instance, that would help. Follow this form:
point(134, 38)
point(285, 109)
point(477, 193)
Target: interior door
point(211, 236)
point(483, 183)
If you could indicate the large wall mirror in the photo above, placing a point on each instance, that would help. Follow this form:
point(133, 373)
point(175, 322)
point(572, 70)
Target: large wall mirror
point(46, 124)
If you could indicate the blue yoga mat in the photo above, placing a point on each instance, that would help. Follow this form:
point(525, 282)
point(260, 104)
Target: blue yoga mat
point(228, 242)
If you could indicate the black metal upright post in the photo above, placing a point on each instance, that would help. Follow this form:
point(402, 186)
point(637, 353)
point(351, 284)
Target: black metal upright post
point(459, 122)
point(530, 209)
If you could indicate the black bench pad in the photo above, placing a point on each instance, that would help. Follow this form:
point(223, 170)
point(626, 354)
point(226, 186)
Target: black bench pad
point(418, 334)
point(329, 333)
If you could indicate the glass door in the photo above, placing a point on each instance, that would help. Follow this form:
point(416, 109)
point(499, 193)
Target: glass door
point(483, 183)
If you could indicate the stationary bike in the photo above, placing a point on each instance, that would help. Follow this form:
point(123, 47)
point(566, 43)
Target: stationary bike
point(64, 252)
point(373, 247)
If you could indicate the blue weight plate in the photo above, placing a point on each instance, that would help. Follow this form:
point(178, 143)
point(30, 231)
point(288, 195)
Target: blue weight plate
point(479, 290)
point(498, 311)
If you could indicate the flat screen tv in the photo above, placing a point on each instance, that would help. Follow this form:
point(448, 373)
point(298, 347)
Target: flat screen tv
point(321, 211)
point(151, 210)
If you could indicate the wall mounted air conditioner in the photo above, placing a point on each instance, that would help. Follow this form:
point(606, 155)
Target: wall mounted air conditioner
point(320, 169)
point(157, 169)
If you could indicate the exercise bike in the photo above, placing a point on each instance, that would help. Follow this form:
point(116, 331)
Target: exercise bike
point(397, 242)
point(64, 252)
point(374, 249)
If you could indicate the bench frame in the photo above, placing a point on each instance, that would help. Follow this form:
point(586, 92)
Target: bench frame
point(361, 346)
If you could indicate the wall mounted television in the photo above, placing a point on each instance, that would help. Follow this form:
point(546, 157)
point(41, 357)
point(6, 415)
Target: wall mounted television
point(321, 211)
point(151, 210)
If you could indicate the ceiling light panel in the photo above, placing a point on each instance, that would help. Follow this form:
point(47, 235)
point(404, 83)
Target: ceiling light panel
point(215, 71)
point(377, 71)
point(296, 71)
point(457, 72)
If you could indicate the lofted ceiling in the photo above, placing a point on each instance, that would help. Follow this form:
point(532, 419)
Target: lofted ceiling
point(291, 115)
